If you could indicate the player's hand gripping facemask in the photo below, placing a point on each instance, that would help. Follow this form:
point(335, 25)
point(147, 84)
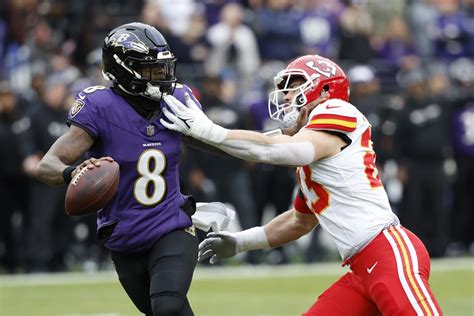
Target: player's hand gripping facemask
point(190, 120)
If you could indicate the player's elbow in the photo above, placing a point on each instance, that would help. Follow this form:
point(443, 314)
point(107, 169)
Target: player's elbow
point(43, 173)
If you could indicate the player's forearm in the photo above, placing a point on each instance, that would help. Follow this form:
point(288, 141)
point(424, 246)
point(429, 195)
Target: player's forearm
point(279, 150)
point(286, 228)
point(283, 229)
point(50, 170)
point(65, 151)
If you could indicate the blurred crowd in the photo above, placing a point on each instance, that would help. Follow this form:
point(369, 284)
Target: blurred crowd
point(411, 68)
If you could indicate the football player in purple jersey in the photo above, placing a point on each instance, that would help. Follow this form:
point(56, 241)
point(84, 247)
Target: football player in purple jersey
point(147, 225)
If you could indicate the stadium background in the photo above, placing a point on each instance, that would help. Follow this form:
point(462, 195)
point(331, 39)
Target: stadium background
point(411, 67)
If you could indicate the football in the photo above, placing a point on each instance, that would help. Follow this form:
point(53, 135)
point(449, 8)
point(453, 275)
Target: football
point(91, 189)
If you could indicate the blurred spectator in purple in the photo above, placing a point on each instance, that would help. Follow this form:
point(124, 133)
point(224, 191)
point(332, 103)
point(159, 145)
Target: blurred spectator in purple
point(319, 27)
point(277, 29)
point(452, 31)
point(396, 48)
point(3, 43)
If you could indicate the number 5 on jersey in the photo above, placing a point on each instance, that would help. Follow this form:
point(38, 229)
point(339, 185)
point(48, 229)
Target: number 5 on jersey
point(150, 187)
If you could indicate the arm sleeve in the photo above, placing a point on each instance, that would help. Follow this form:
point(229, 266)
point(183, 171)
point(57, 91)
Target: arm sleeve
point(286, 154)
point(83, 114)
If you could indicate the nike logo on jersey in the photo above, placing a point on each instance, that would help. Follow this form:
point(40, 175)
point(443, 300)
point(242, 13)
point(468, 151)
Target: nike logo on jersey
point(369, 270)
point(329, 106)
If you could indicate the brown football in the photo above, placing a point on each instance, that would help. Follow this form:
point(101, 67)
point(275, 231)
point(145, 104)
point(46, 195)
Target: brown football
point(91, 189)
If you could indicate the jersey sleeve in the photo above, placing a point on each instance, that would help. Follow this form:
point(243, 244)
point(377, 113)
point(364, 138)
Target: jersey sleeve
point(333, 115)
point(83, 113)
point(300, 204)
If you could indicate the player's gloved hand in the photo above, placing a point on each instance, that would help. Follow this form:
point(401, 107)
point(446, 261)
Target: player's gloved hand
point(218, 245)
point(190, 120)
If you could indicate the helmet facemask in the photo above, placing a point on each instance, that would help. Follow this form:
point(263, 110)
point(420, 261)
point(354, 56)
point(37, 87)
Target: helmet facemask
point(150, 77)
point(279, 110)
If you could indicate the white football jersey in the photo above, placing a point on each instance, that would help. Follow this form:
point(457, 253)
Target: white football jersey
point(344, 191)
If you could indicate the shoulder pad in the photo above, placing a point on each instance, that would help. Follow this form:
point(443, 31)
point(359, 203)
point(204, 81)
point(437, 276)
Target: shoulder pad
point(334, 115)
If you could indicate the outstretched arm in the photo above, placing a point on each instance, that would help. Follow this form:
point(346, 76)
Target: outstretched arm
point(301, 149)
point(283, 229)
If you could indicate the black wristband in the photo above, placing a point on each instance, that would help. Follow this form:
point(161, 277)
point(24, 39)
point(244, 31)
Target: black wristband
point(67, 173)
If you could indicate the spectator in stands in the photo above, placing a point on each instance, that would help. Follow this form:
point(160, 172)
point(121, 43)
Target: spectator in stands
point(13, 182)
point(356, 31)
point(462, 133)
point(47, 233)
point(396, 48)
point(422, 139)
point(452, 34)
point(420, 17)
point(276, 25)
point(319, 27)
point(232, 43)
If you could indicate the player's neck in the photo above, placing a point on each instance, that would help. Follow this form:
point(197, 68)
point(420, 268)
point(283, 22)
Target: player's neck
point(143, 106)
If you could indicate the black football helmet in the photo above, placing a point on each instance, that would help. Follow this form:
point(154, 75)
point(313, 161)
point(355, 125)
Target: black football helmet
point(138, 60)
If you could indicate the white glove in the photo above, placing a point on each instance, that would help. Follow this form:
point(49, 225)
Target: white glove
point(217, 245)
point(190, 120)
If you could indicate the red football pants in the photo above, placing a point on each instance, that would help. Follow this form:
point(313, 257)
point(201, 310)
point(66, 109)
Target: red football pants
point(389, 277)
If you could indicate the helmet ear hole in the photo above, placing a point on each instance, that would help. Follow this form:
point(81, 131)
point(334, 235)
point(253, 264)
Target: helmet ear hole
point(326, 87)
point(301, 100)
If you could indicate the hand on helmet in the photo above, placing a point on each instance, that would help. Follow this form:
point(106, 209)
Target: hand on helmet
point(217, 245)
point(190, 120)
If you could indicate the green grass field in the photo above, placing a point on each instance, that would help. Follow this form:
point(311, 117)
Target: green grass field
point(230, 291)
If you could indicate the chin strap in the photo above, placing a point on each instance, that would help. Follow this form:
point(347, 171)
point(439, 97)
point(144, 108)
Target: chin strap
point(290, 119)
point(153, 92)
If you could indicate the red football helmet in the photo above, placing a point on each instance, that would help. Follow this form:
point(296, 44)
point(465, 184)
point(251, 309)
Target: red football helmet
point(318, 73)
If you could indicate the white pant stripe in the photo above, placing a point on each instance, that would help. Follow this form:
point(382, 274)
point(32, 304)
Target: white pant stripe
point(401, 274)
point(414, 257)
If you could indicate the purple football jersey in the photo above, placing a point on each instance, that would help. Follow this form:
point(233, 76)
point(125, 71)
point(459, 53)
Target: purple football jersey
point(148, 199)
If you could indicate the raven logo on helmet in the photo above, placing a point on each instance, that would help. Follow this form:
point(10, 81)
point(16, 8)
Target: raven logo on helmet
point(127, 41)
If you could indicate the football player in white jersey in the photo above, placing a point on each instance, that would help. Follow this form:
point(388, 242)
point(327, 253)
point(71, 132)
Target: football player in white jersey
point(339, 189)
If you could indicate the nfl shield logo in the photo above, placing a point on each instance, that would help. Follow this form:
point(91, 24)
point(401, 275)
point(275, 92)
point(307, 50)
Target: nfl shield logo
point(150, 130)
